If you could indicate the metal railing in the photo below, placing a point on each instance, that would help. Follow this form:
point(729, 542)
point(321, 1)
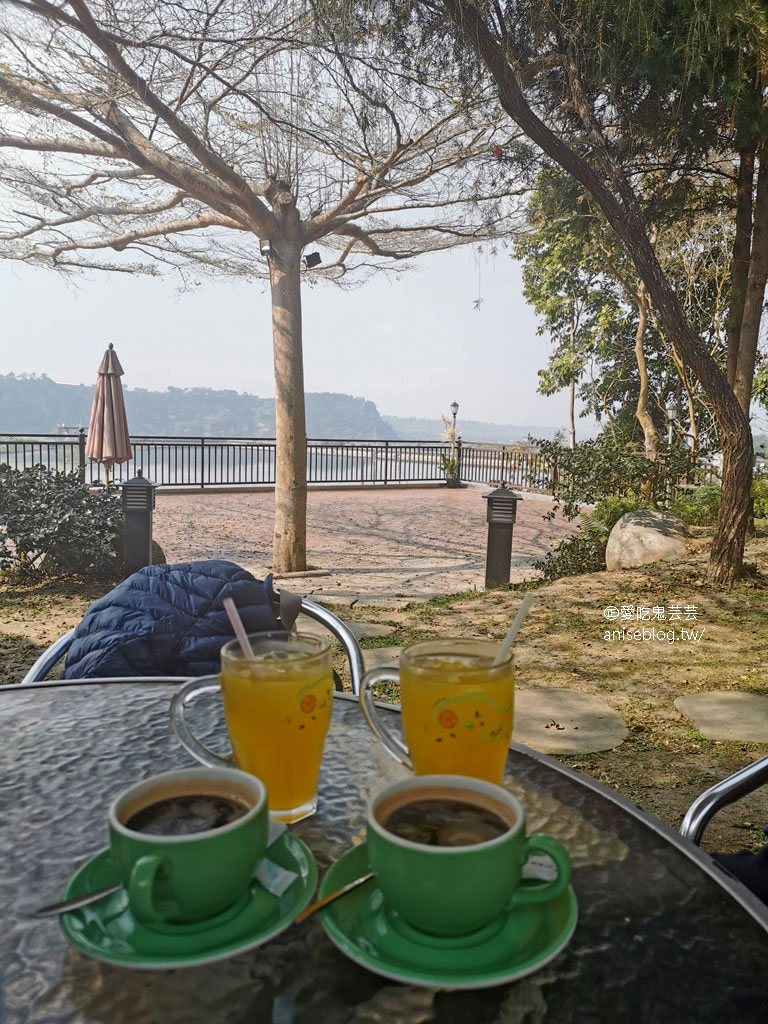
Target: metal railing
point(520, 467)
point(231, 461)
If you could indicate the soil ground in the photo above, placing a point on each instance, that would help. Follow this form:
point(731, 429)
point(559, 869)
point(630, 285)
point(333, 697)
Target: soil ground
point(415, 542)
point(565, 642)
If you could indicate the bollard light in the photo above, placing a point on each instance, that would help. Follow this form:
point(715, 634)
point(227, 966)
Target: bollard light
point(501, 516)
point(138, 498)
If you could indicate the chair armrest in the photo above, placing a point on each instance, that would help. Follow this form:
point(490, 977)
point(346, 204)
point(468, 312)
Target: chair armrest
point(343, 633)
point(736, 786)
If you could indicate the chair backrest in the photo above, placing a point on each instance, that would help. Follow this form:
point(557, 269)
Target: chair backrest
point(746, 780)
point(332, 623)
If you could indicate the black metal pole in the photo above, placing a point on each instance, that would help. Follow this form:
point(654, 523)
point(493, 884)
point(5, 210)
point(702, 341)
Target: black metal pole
point(81, 453)
point(498, 556)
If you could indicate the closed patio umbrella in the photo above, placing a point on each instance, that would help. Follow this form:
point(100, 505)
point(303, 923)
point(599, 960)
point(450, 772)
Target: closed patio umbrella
point(108, 439)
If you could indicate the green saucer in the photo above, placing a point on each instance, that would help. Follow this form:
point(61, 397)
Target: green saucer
point(108, 931)
point(518, 942)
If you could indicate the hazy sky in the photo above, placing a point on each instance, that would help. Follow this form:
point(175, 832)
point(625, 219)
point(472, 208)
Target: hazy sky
point(411, 345)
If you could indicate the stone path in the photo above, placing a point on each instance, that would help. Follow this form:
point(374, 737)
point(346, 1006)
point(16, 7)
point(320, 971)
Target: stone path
point(362, 630)
point(727, 715)
point(375, 657)
point(383, 547)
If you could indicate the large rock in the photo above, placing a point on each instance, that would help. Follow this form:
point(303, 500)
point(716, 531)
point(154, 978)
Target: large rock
point(645, 536)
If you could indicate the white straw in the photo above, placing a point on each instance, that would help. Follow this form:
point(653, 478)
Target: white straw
point(509, 639)
point(237, 624)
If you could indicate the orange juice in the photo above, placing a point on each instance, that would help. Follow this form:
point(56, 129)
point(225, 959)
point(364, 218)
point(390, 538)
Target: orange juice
point(278, 709)
point(457, 708)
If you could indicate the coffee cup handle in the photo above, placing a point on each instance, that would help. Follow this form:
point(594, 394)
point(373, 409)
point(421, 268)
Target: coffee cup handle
point(392, 743)
point(140, 887)
point(184, 696)
point(545, 891)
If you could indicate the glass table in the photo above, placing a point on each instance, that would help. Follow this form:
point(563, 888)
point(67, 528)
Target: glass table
point(663, 934)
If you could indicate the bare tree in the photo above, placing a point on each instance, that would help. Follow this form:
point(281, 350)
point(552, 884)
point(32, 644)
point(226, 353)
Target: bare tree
point(228, 135)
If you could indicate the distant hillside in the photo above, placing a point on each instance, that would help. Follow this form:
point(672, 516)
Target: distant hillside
point(29, 404)
point(412, 428)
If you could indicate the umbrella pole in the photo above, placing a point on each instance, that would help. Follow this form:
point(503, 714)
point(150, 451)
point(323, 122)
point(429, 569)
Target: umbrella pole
point(106, 474)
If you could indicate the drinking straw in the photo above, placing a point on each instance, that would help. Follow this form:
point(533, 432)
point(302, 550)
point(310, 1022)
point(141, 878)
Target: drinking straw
point(237, 624)
point(509, 639)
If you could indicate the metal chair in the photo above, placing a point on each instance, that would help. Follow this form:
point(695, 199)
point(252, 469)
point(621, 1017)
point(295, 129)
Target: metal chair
point(332, 623)
point(712, 800)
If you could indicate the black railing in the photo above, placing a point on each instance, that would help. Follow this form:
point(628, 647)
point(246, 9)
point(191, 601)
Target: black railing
point(249, 461)
point(230, 461)
point(521, 467)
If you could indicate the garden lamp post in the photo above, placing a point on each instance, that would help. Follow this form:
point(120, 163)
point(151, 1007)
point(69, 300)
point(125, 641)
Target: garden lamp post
point(502, 513)
point(138, 497)
point(455, 447)
point(671, 417)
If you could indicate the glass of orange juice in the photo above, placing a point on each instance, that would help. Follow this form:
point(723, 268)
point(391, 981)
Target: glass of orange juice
point(278, 709)
point(457, 708)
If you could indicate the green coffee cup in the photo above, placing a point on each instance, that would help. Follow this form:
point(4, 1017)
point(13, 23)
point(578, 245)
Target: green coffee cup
point(455, 890)
point(185, 878)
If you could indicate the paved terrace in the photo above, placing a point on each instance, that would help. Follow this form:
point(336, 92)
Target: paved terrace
point(380, 546)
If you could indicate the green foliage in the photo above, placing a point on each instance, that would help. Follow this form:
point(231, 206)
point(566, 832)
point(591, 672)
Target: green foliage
point(698, 507)
point(583, 552)
point(601, 468)
point(583, 287)
point(450, 466)
point(760, 496)
point(50, 524)
point(610, 510)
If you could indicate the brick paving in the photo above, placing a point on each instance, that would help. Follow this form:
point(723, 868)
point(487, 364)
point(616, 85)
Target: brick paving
point(399, 542)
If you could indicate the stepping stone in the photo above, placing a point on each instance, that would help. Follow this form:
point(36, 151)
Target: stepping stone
point(367, 630)
point(375, 657)
point(333, 602)
point(566, 722)
point(727, 715)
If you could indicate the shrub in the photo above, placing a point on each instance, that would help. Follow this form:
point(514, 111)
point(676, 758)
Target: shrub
point(610, 510)
point(601, 468)
point(581, 553)
point(698, 507)
point(760, 496)
point(51, 524)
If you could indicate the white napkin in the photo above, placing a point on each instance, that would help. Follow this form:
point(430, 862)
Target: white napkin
point(274, 878)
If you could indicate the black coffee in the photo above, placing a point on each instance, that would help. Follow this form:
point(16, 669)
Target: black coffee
point(445, 823)
point(185, 815)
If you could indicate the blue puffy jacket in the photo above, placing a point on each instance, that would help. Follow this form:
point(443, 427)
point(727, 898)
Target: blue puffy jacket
point(168, 620)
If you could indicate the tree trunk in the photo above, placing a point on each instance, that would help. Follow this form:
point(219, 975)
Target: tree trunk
point(290, 540)
point(620, 206)
point(694, 424)
point(571, 420)
point(742, 244)
point(755, 294)
point(650, 434)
